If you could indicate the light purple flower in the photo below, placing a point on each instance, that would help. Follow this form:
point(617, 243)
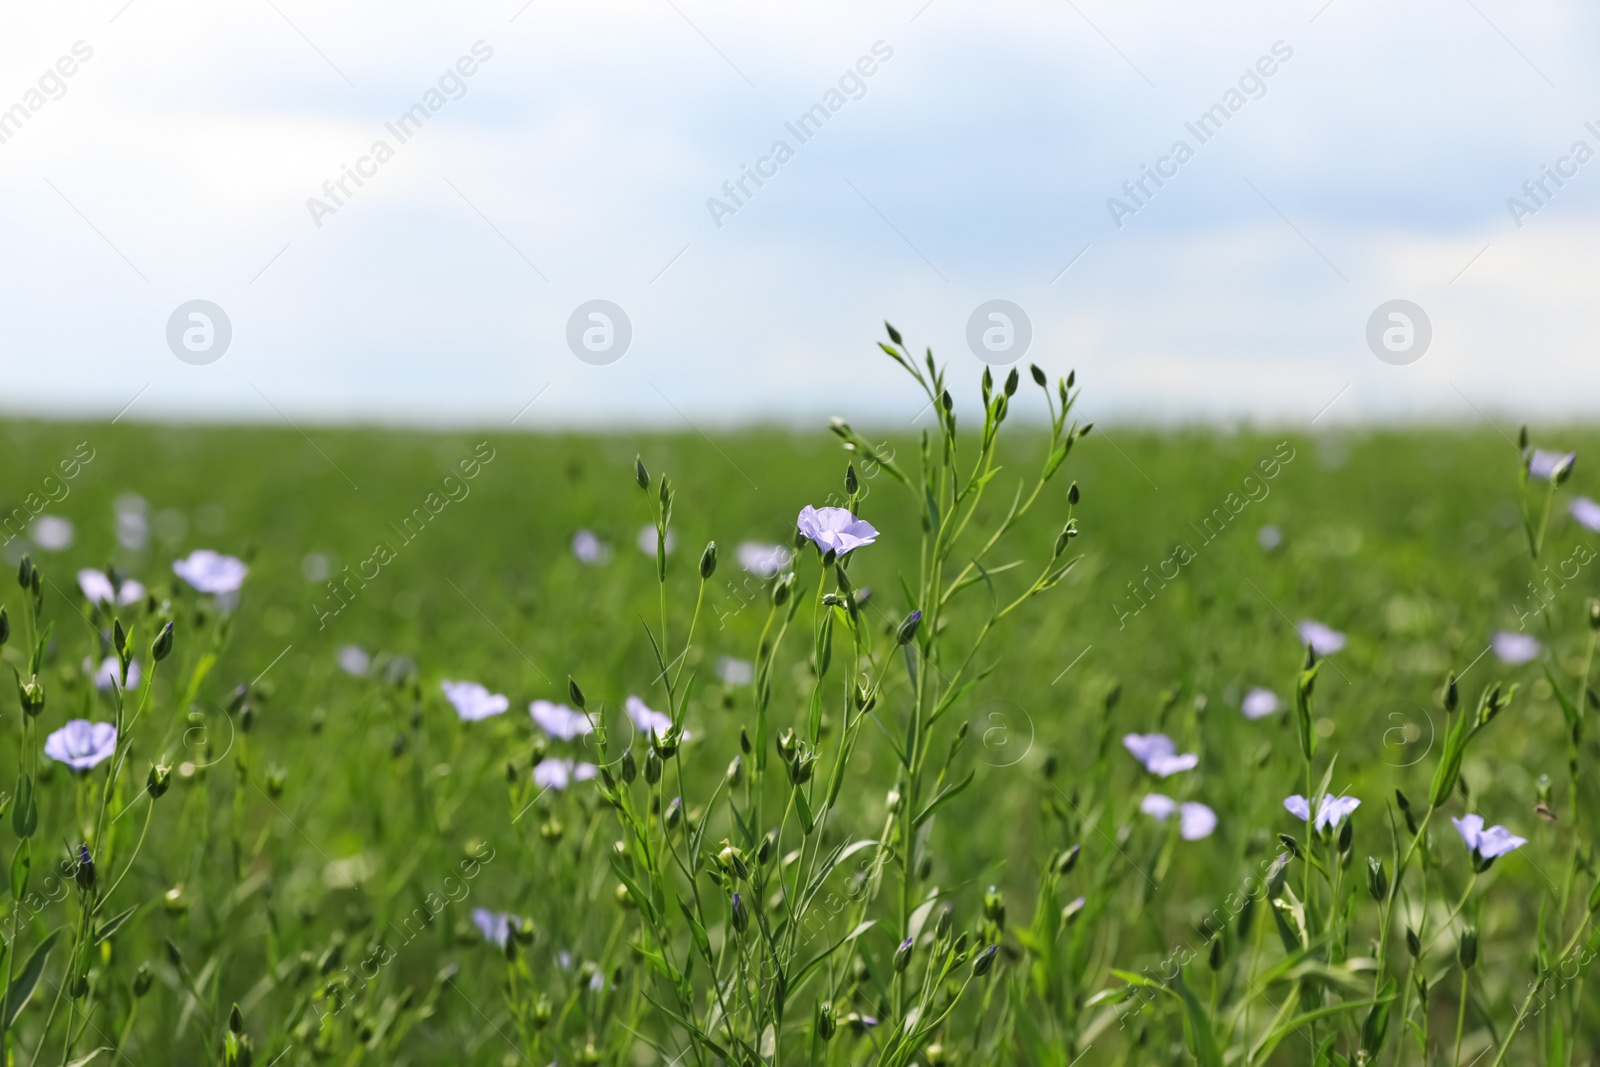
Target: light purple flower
point(1259, 703)
point(495, 925)
point(589, 548)
point(647, 719)
point(1515, 648)
point(472, 701)
point(1587, 512)
point(560, 773)
point(110, 672)
point(1195, 821)
point(354, 660)
point(560, 721)
point(1269, 537)
point(735, 671)
point(51, 533)
point(1158, 806)
point(1159, 755)
point(1547, 465)
point(1490, 843)
point(1330, 810)
point(211, 572)
point(835, 529)
point(97, 588)
point(764, 561)
point(1324, 640)
point(81, 744)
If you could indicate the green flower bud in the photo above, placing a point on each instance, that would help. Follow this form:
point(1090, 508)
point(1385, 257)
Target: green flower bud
point(5, 625)
point(851, 484)
point(1377, 879)
point(161, 647)
point(907, 631)
point(1413, 943)
point(141, 980)
point(1468, 952)
point(575, 694)
point(825, 1023)
point(941, 929)
point(158, 781)
point(994, 907)
point(902, 955)
point(630, 768)
point(641, 475)
point(652, 767)
point(1068, 860)
point(983, 961)
point(708, 561)
point(1215, 957)
point(738, 914)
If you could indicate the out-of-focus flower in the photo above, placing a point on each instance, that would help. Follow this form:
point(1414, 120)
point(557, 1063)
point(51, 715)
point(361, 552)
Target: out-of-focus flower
point(1159, 755)
point(1158, 806)
point(494, 925)
point(109, 672)
point(835, 530)
point(1259, 703)
point(764, 561)
point(1548, 465)
point(81, 744)
point(353, 659)
point(1329, 811)
point(560, 721)
point(133, 523)
point(51, 533)
point(1514, 648)
point(560, 773)
point(98, 589)
point(211, 572)
point(1490, 843)
point(589, 548)
point(1587, 512)
point(735, 671)
point(1324, 640)
point(1195, 821)
point(645, 718)
point(1269, 537)
point(315, 567)
point(472, 701)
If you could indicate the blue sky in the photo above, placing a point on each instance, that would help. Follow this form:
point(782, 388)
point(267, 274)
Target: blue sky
point(976, 164)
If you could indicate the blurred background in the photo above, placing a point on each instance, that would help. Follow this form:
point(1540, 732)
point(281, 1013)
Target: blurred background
point(401, 214)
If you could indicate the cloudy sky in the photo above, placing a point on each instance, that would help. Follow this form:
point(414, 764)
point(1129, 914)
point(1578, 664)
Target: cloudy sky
point(563, 152)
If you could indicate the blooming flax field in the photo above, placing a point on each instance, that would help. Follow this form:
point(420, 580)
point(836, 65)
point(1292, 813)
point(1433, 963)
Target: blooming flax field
point(976, 741)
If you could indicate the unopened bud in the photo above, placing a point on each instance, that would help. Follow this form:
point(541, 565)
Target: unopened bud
point(575, 694)
point(1377, 879)
point(641, 475)
point(902, 955)
point(1468, 952)
point(907, 631)
point(161, 647)
point(825, 1023)
point(1068, 860)
point(708, 561)
point(983, 961)
point(739, 915)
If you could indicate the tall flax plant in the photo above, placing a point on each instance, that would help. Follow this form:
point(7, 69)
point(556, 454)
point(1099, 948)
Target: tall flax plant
point(750, 957)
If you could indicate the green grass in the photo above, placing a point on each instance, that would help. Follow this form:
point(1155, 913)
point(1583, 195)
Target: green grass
point(1410, 542)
